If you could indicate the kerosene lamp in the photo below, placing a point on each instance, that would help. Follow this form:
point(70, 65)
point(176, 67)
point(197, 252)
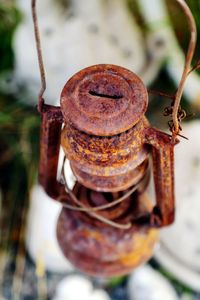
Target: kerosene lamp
point(108, 225)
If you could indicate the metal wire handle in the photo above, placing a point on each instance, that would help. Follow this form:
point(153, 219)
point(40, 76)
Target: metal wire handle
point(188, 60)
point(40, 58)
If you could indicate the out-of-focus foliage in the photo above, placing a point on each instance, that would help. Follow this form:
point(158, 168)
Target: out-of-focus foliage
point(9, 18)
point(181, 26)
point(134, 8)
point(19, 138)
point(19, 135)
point(178, 20)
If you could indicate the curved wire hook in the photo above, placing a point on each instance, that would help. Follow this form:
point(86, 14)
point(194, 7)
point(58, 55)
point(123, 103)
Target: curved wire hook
point(186, 70)
point(40, 58)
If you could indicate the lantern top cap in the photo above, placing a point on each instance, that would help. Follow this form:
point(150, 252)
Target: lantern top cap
point(104, 100)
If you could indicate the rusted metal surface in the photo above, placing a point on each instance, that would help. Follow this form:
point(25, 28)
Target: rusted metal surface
point(49, 150)
point(107, 140)
point(163, 169)
point(107, 164)
point(115, 183)
point(100, 250)
point(104, 125)
point(104, 100)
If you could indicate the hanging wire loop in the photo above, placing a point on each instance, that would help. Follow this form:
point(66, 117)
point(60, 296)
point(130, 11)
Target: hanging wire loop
point(177, 112)
point(40, 58)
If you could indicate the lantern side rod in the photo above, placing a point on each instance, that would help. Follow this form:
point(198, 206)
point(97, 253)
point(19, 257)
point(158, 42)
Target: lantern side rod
point(40, 58)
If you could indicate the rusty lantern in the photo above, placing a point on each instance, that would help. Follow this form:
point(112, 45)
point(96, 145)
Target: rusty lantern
point(108, 226)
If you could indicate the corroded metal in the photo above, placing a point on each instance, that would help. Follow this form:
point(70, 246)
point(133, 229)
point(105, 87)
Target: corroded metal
point(103, 108)
point(104, 100)
point(107, 164)
point(52, 120)
point(113, 159)
point(101, 250)
point(107, 139)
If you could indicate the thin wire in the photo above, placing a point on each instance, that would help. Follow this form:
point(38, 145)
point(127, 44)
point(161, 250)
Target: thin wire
point(188, 60)
point(87, 209)
point(111, 204)
point(40, 58)
point(158, 93)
